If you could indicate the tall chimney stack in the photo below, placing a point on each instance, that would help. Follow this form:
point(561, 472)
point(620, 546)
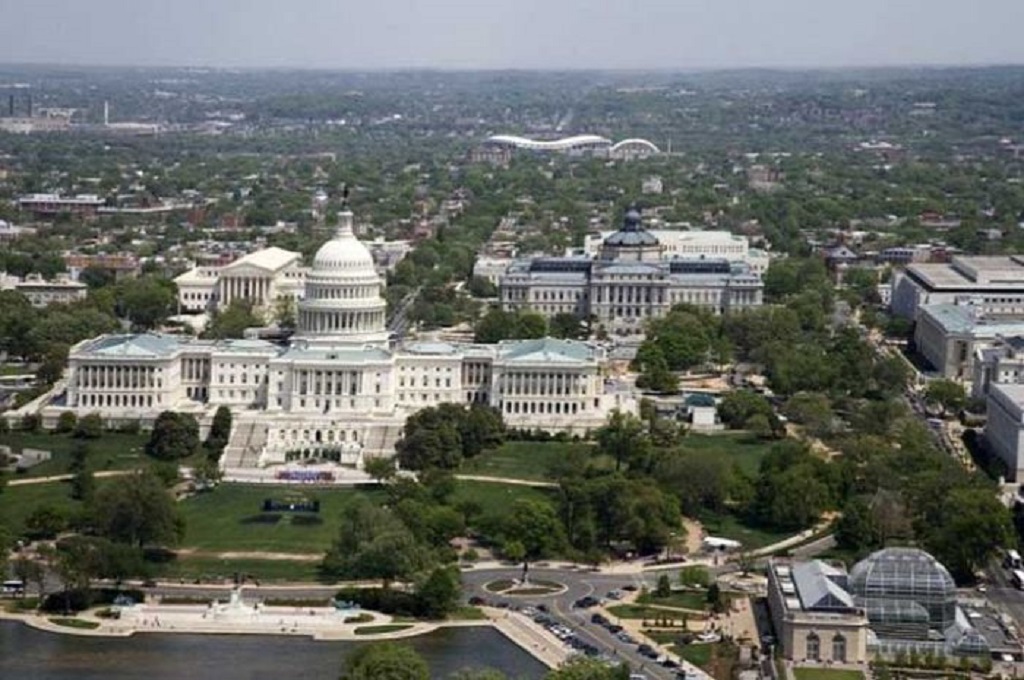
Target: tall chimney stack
point(10, 105)
point(106, 113)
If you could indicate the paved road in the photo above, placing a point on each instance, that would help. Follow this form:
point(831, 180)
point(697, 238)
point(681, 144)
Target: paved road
point(1003, 592)
point(580, 584)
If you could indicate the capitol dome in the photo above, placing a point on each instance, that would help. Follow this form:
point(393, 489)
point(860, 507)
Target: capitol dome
point(343, 301)
point(344, 254)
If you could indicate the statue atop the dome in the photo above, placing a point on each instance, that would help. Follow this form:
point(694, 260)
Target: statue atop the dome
point(633, 221)
point(344, 196)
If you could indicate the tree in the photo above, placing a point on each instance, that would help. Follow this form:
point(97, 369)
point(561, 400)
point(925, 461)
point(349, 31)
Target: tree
point(950, 395)
point(439, 592)
point(66, 422)
point(147, 301)
point(31, 423)
point(654, 372)
point(568, 326)
point(974, 524)
point(90, 426)
point(380, 468)
point(664, 587)
point(138, 511)
point(373, 543)
point(715, 599)
point(535, 525)
point(233, 321)
point(481, 287)
point(739, 406)
point(588, 669)
point(385, 661)
point(856, 530)
point(220, 433)
point(174, 436)
point(624, 438)
point(206, 474)
point(82, 482)
point(44, 523)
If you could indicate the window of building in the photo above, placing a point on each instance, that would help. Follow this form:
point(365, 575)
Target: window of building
point(813, 647)
point(839, 648)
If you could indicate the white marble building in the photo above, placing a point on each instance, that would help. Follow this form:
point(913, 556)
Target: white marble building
point(340, 391)
point(264, 277)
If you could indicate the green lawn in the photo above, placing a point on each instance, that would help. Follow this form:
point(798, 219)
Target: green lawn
point(521, 460)
point(682, 599)
point(730, 526)
point(826, 674)
point(113, 451)
point(494, 498)
point(381, 629)
point(698, 655)
point(741, 448)
point(75, 623)
point(213, 569)
point(18, 502)
point(637, 611)
point(230, 518)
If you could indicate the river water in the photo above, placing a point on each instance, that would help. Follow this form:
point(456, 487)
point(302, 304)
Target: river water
point(30, 654)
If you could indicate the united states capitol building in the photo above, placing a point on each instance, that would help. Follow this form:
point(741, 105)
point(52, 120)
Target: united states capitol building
point(340, 391)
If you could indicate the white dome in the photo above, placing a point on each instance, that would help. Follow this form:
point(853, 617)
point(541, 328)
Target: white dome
point(343, 302)
point(344, 254)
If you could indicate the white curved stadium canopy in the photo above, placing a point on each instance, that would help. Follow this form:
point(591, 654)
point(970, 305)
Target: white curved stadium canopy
point(563, 144)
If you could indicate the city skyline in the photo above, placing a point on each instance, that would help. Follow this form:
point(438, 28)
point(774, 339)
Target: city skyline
point(564, 34)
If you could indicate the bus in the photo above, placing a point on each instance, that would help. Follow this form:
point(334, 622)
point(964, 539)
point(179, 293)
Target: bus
point(13, 587)
point(1012, 559)
point(1018, 579)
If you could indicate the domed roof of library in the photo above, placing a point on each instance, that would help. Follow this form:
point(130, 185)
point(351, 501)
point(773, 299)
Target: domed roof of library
point(343, 255)
point(632, 232)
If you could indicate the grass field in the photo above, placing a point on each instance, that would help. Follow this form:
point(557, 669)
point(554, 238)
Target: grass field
point(113, 451)
point(75, 623)
point(741, 448)
point(18, 502)
point(190, 568)
point(495, 498)
point(730, 526)
point(521, 460)
point(230, 519)
point(826, 674)
point(698, 655)
point(637, 611)
point(381, 629)
point(696, 600)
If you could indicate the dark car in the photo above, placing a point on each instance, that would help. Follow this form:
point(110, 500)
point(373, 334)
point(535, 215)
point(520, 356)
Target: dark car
point(648, 651)
point(631, 587)
point(670, 663)
point(476, 601)
point(599, 619)
point(614, 629)
point(586, 602)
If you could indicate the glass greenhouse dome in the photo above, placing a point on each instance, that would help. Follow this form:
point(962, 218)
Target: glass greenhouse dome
point(906, 593)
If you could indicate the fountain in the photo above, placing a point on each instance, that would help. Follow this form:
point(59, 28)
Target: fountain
point(235, 608)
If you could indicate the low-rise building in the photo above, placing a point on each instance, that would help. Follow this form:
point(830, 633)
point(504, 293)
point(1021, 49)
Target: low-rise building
point(121, 265)
point(266, 277)
point(1002, 363)
point(1004, 429)
point(995, 283)
point(48, 205)
point(814, 616)
point(41, 292)
point(895, 601)
point(949, 335)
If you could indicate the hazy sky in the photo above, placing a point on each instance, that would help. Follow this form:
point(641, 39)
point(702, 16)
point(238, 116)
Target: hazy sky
point(673, 34)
